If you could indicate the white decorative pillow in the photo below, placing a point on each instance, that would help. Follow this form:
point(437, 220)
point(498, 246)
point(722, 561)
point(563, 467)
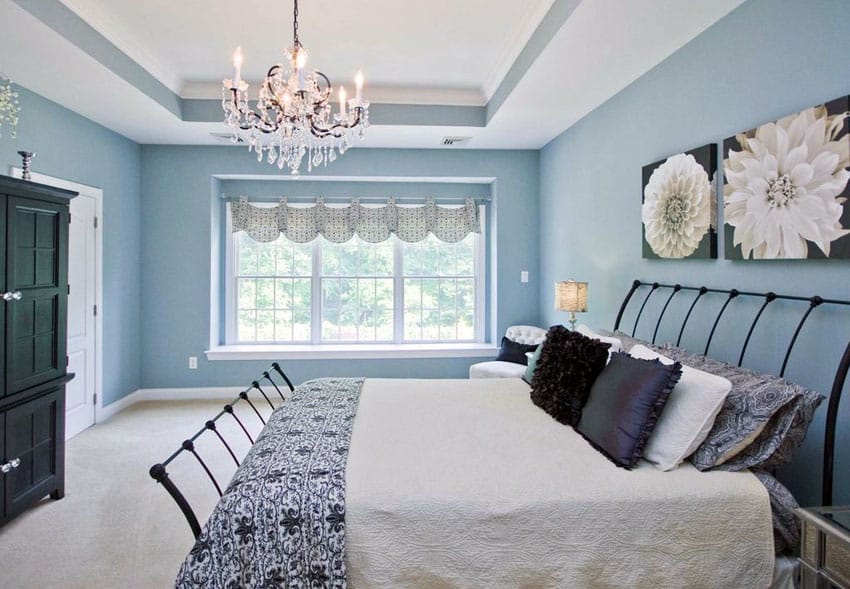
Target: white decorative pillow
point(688, 416)
point(616, 343)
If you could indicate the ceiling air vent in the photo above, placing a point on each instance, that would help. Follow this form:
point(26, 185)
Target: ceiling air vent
point(455, 140)
point(226, 138)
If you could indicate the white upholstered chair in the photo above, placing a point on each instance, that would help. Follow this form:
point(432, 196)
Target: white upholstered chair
point(523, 334)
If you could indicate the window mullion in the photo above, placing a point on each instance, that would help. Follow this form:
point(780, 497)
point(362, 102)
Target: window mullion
point(398, 290)
point(316, 293)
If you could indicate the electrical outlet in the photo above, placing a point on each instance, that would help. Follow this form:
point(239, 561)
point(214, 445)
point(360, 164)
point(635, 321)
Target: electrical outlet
point(193, 362)
point(523, 276)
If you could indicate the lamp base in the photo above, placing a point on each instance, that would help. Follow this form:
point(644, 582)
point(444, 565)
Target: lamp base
point(572, 321)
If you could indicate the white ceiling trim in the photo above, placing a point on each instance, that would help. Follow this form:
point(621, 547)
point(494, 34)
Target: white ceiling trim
point(524, 31)
point(126, 41)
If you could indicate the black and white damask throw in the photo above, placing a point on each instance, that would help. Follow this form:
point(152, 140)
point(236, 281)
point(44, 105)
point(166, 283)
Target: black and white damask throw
point(281, 521)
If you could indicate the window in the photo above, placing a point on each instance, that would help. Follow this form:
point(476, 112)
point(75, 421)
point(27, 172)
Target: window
point(355, 292)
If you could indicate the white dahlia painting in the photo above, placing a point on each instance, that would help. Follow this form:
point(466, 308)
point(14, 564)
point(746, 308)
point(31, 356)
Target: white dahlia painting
point(679, 211)
point(786, 187)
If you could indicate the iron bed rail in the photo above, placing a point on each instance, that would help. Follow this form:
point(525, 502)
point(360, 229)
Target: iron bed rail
point(159, 471)
point(767, 298)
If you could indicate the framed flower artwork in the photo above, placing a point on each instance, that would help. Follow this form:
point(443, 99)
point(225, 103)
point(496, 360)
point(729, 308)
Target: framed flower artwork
point(786, 187)
point(679, 210)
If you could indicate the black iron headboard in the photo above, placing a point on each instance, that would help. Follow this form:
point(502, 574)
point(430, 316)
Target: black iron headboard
point(767, 298)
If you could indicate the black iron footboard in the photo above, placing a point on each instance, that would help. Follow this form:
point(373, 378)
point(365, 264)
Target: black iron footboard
point(767, 298)
point(159, 470)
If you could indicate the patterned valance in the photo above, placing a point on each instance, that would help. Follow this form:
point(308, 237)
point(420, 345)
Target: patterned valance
point(373, 224)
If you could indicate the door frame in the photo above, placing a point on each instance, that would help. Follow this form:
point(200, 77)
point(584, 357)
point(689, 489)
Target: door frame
point(97, 195)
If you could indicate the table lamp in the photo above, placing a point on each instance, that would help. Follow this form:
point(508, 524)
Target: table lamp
point(571, 296)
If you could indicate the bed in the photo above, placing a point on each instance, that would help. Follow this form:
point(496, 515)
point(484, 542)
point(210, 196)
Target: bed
point(467, 483)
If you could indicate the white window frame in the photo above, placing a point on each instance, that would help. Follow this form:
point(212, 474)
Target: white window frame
point(232, 349)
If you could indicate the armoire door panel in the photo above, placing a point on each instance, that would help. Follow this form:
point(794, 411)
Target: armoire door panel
point(36, 268)
point(34, 339)
point(32, 434)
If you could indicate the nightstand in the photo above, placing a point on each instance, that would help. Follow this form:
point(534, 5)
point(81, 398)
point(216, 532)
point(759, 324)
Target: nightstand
point(825, 548)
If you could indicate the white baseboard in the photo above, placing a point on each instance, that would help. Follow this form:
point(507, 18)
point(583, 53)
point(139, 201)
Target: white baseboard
point(107, 411)
point(176, 394)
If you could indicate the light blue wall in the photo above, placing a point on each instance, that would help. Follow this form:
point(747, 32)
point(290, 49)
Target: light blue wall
point(176, 217)
point(766, 59)
point(74, 148)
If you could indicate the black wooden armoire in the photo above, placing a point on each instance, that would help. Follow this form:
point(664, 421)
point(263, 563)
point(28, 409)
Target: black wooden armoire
point(33, 338)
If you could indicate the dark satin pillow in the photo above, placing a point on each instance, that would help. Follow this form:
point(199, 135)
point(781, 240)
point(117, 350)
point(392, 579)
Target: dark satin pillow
point(624, 405)
point(512, 351)
point(568, 364)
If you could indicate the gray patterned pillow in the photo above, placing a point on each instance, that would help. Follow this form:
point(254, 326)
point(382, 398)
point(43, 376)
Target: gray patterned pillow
point(763, 420)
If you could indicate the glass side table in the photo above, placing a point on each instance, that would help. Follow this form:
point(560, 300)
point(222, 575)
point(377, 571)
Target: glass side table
point(825, 547)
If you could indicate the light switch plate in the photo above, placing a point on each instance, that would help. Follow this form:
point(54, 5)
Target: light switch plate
point(193, 362)
point(523, 276)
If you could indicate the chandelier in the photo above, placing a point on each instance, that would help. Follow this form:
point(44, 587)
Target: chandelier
point(294, 115)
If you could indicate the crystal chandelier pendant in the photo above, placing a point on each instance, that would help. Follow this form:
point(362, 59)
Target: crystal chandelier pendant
point(295, 115)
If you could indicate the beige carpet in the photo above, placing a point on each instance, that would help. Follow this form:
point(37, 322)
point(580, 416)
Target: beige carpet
point(116, 527)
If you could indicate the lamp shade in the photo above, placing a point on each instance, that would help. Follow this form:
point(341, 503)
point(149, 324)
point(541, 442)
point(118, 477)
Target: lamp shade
point(571, 296)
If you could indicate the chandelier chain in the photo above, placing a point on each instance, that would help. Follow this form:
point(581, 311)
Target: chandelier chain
point(296, 41)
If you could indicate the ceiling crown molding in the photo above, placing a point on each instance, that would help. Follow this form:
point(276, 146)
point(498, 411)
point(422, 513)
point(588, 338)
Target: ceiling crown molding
point(524, 31)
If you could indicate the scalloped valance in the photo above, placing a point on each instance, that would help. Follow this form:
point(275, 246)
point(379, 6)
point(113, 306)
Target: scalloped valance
point(338, 224)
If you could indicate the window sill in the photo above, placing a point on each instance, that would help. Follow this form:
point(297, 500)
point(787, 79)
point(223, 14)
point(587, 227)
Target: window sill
point(350, 351)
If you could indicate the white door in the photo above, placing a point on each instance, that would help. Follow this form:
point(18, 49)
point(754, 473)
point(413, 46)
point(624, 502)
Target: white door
point(80, 392)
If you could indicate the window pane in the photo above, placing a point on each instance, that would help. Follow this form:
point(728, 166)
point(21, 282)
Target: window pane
point(266, 259)
point(265, 293)
point(265, 326)
point(357, 309)
point(246, 327)
point(302, 254)
point(283, 326)
point(267, 306)
point(439, 305)
point(247, 255)
point(283, 293)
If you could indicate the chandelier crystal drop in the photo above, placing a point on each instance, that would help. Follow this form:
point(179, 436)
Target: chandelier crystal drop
point(294, 117)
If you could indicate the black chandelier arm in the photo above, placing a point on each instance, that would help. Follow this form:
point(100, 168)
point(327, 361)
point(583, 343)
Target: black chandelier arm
point(259, 122)
point(337, 129)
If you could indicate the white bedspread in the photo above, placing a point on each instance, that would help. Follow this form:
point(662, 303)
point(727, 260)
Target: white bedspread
point(465, 483)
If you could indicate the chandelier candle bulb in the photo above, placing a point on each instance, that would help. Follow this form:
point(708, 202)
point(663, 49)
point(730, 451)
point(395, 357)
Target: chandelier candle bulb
point(358, 81)
point(237, 67)
point(342, 98)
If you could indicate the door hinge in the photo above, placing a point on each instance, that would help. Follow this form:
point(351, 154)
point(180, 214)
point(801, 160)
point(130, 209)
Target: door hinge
point(95, 310)
point(95, 222)
point(69, 218)
point(67, 361)
point(94, 399)
point(69, 289)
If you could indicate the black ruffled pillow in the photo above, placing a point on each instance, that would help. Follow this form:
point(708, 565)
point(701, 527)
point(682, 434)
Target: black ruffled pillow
point(512, 351)
point(569, 363)
point(624, 405)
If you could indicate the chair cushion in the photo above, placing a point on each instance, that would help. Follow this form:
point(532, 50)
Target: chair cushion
point(525, 334)
point(496, 369)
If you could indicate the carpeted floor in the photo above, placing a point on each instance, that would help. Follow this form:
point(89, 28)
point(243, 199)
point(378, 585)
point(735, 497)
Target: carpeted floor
point(116, 527)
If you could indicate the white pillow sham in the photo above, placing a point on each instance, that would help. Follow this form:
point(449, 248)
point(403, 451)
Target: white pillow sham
point(687, 417)
point(616, 343)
